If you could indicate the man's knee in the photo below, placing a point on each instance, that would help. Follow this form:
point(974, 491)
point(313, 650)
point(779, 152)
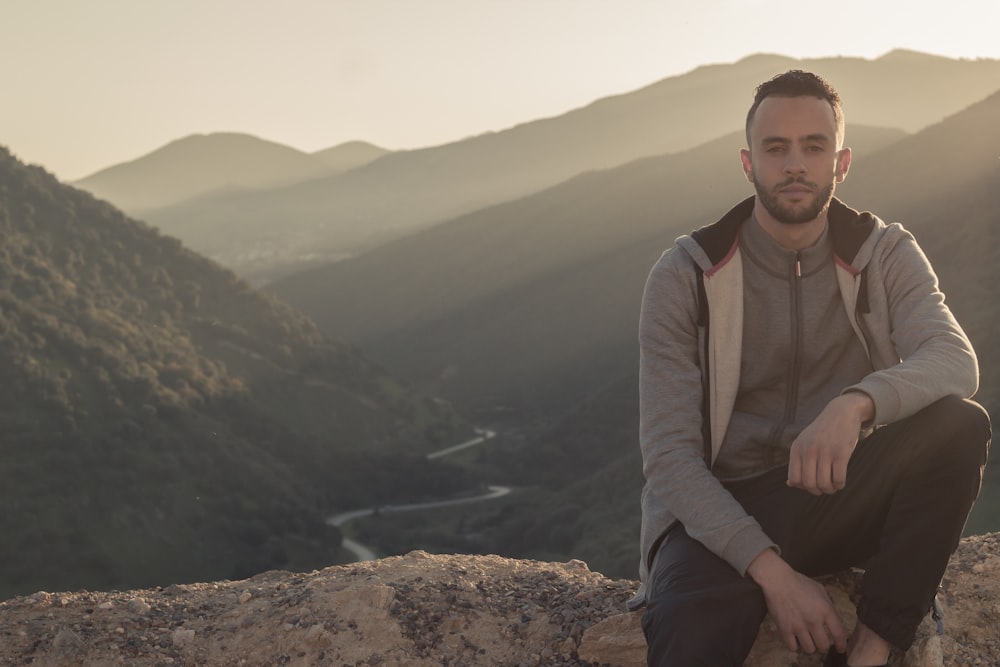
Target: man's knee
point(716, 626)
point(973, 430)
point(688, 614)
point(962, 428)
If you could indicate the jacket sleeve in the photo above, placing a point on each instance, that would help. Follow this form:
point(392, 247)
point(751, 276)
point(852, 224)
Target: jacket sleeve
point(927, 355)
point(670, 418)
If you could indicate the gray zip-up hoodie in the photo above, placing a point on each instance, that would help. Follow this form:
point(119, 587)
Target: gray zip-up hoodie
point(690, 337)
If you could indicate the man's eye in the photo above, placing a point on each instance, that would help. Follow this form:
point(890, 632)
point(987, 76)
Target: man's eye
point(776, 149)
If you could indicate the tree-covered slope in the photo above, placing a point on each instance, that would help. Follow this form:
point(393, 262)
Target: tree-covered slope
point(162, 421)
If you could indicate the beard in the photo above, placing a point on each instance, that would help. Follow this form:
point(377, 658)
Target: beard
point(789, 215)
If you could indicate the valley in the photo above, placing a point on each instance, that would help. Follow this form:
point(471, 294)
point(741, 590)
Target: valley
point(266, 361)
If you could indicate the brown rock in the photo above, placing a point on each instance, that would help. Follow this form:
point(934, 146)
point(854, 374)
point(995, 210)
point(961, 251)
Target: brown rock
point(138, 606)
point(67, 642)
point(424, 610)
point(616, 640)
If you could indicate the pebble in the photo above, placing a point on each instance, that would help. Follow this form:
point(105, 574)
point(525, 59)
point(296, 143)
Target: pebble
point(138, 606)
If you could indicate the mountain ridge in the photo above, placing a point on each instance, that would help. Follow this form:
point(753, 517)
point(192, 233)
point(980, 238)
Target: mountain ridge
point(350, 155)
point(561, 346)
point(403, 304)
point(404, 191)
point(205, 165)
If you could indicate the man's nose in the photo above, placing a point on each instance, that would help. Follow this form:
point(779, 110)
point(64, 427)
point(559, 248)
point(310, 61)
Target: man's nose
point(795, 164)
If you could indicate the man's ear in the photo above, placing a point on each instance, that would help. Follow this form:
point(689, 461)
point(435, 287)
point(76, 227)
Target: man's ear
point(843, 164)
point(748, 164)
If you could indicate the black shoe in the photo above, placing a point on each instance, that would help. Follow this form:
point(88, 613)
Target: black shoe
point(836, 659)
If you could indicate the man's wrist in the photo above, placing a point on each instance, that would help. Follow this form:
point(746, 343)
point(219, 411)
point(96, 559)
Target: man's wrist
point(767, 567)
point(861, 404)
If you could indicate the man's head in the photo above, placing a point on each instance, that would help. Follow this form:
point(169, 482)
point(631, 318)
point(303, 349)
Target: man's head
point(796, 83)
point(795, 132)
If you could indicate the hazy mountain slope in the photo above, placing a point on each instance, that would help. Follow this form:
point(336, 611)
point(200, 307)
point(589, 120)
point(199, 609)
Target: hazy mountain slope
point(520, 300)
point(327, 218)
point(200, 164)
point(350, 155)
point(162, 421)
point(944, 185)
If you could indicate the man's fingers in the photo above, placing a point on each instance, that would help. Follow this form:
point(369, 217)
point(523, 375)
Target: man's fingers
point(839, 475)
point(838, 632)
point(825, 632)
point(815, 470)
point(806, 643)
point(829, 634)
point(809, 475)
point(825, 475)
point(795, 468)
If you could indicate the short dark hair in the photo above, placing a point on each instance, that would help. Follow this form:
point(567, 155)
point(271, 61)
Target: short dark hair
point(797, 83)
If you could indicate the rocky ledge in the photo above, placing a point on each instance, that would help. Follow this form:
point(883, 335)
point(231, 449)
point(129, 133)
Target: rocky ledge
point(424, 610)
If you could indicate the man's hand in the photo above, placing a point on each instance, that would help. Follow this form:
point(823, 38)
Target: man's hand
point(798, 605)
point(819, 456)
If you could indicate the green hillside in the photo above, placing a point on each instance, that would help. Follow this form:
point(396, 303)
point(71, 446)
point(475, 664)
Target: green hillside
point(163, 421)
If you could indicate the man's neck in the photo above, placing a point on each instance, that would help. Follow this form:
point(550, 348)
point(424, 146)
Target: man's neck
point(794, 237)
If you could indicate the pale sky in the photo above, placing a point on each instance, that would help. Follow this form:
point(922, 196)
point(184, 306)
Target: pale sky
point(87, 84)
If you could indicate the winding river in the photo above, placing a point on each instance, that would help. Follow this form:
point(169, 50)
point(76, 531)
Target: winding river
point(361, 552)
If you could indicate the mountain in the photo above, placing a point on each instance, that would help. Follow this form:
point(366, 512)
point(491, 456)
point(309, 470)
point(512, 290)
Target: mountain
point(941, 182)
point(163, 421)
point(265, 234)
point(944, 185)
point(534, 303)
point(513, 302)
point(209, 163)
point(350, 155)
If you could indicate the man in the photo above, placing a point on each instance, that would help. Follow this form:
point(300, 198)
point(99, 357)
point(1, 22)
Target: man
point(804, 408)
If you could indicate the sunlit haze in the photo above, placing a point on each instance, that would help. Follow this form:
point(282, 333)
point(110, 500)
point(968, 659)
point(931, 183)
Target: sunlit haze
point(90, 84)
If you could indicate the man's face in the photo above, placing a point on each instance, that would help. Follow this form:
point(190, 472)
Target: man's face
point(794, 161)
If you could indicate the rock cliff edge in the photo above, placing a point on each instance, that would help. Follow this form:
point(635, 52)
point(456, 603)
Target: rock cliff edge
point(424, 610)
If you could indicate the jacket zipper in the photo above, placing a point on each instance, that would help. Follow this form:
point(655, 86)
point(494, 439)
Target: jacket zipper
point(795, 364)
point(797, 335)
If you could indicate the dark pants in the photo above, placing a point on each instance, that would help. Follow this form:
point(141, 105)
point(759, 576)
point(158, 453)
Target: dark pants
point(910, 487)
